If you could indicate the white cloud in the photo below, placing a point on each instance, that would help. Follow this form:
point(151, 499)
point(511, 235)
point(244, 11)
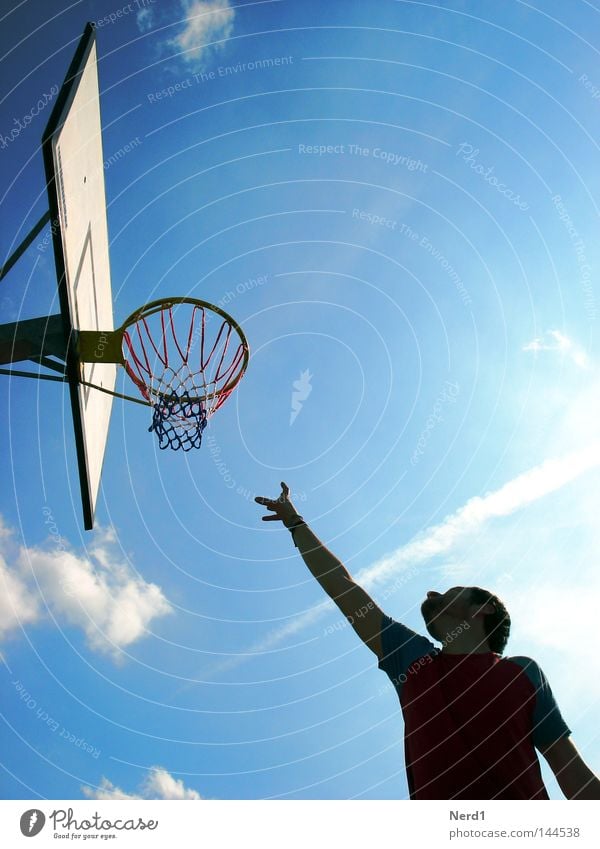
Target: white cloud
point(99, 593)
point(17, 606)
point(206, 21)
point(158, 784)
point(145, 19)
point(578, 421)
point(107, 791)
point(554, 340)
point(538, 613)
point(524, 490)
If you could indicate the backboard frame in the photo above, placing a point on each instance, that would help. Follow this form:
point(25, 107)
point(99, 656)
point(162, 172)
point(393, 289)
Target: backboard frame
point(89, 463)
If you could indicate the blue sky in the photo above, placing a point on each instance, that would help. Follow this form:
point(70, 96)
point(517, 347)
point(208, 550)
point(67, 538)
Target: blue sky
point(401, 212)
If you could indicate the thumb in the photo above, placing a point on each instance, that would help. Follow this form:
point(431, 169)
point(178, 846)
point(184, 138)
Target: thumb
point(285, 488)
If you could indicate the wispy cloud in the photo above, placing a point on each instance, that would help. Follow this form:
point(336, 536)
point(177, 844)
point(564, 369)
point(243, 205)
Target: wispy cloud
point(159, 784)
point(99, 593)
point(522, 491)
point(145, 19)
point(206, 22)
point(556, 341)
point(518, 493)
point(301, 389)
point(272, 639)
point(543, 562)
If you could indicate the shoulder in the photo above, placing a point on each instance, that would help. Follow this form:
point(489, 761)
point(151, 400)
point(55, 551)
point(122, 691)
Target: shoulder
point(397, 638)
point(531, 668)
point(401, 647)
point(548, 723)
point(522, 661)
point(399, 633)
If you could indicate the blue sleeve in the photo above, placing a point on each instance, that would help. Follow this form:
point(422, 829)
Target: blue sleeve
point(548, 724)
point(400, 647)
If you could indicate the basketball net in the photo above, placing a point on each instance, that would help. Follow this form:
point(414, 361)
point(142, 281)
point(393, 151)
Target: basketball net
point(186, 359)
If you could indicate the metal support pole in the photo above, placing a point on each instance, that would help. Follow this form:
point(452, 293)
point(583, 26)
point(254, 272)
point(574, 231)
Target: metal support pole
point(24, 245)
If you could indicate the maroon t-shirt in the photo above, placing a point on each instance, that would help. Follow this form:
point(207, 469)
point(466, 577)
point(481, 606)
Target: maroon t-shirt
point(472, 721)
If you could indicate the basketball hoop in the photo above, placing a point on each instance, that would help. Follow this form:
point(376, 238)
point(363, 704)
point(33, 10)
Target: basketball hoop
point(184, 355)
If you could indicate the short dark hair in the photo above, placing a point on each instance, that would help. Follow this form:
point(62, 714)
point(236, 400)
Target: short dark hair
point(496, 624)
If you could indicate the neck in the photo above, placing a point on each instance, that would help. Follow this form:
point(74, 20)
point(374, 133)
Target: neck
point(470, 641)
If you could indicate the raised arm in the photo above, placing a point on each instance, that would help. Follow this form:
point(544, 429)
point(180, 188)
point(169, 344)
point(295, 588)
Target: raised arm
point(356, 605)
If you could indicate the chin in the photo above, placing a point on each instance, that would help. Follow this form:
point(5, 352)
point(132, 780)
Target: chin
point(429, 616)
point(427, 608)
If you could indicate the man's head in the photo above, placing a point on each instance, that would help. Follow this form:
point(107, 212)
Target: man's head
point(445, 613)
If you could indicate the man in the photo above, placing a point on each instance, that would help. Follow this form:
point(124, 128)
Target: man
point(472, 718)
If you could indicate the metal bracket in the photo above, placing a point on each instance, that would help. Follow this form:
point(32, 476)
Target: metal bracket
point(100, 346)
point(51, 364)
point(33, 339)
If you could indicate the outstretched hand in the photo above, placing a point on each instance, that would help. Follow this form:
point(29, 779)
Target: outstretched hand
point(282, 507)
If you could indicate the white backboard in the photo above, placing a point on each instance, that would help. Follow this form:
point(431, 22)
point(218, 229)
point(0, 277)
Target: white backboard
point(74, 165)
